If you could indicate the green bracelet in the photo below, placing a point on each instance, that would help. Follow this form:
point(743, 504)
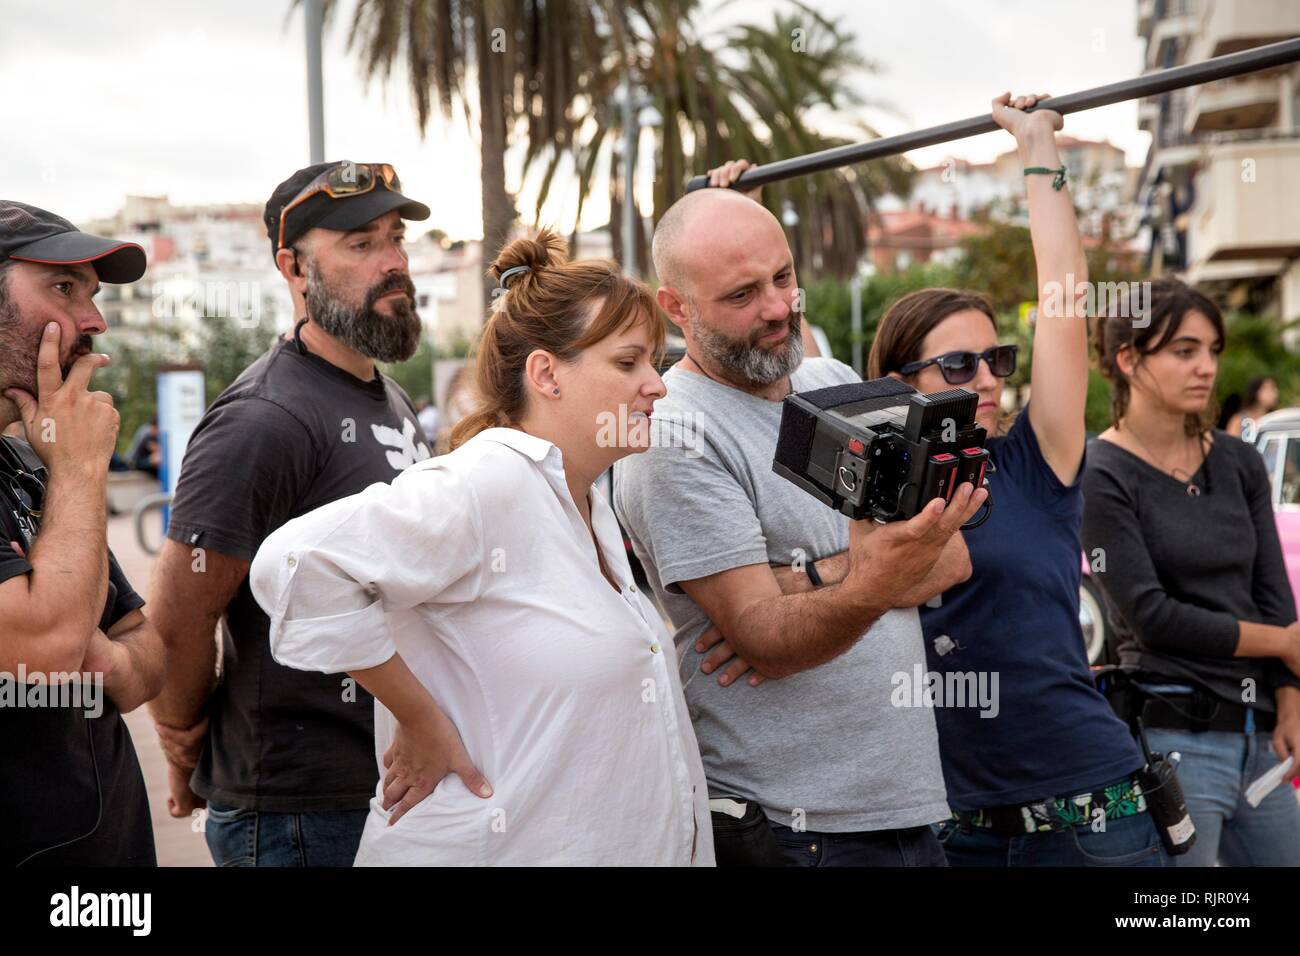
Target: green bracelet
point(1059, 174)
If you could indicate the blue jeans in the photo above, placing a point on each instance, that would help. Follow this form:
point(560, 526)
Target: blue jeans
point(238, 837)
point(911, 846)
point(1128, 841)
point(1216, 768)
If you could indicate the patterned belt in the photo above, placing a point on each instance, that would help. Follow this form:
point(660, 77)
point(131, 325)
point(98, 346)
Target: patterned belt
point(1122, 799)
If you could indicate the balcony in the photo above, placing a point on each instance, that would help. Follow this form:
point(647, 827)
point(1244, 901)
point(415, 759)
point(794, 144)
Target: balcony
point(1146, 17)
point(1248, 203)
point(1228, 27)
point(1148, 113)
point(1174, 155)
point(1169, 39)
point(1234, 270)
point(1240, 103)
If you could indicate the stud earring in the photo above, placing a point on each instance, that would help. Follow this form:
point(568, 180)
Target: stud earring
point(557, 391)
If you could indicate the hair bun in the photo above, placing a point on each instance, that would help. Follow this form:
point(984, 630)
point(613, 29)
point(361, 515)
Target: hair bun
point(547, 248)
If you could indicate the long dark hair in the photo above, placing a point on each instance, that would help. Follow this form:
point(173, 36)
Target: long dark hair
point(1229, 407)
point(1252, 390)
point(1170, 303)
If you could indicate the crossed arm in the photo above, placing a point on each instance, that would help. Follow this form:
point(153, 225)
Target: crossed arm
point(51, 623)
point(132, 659)
point(774, 621)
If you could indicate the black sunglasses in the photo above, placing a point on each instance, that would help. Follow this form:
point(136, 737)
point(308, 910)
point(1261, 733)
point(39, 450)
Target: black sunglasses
point(27, 489)
point(24, 491)
point(958, 368)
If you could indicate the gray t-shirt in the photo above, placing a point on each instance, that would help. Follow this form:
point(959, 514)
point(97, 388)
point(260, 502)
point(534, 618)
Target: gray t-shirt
point(826, 741)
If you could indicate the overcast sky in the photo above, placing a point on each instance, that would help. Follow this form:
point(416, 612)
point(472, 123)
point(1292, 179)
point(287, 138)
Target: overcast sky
point(206, 102)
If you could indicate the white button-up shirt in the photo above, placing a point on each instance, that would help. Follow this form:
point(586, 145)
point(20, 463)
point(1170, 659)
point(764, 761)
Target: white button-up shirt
point(479, 570)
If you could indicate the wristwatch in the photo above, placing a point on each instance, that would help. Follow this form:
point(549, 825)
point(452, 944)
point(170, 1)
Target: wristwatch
point(811, 568)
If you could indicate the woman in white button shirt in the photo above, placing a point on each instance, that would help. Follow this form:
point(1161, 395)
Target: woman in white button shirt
point(528, 705)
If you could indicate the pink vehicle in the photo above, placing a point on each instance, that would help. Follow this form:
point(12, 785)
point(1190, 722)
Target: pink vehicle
point(1277, 436)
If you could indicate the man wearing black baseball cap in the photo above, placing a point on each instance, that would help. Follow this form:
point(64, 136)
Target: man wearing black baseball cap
point(285, 759)
point(71, 629)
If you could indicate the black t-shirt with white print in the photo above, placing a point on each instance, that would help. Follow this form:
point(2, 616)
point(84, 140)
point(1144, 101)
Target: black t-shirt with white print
point(292, 433)
point(71, 790)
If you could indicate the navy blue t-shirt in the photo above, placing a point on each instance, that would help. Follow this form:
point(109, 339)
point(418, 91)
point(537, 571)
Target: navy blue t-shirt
point(1018, 616)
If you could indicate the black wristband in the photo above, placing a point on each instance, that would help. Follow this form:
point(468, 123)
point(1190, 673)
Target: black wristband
point(811, 568)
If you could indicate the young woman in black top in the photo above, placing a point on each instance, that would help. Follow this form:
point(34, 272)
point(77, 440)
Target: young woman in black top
point(1178, 519)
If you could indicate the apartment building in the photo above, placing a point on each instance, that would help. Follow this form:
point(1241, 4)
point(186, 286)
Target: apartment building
point(1220, 190)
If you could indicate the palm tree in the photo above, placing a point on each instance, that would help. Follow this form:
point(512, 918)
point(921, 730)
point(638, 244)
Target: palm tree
point(655, 42)
point(516, 62)
point(546, 71)
point(781, 81)
point(748, 94)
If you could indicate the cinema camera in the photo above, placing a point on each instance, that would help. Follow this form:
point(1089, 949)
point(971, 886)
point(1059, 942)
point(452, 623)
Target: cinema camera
point(881, 449)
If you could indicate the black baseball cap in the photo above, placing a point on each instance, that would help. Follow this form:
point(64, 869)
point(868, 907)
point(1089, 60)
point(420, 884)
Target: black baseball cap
point(29, 234)
point(327, 212)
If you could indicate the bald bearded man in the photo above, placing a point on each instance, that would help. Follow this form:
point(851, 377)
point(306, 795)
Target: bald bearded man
point(808, 762)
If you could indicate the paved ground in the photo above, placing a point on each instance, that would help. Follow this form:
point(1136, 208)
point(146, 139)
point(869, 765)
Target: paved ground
point(178, 843)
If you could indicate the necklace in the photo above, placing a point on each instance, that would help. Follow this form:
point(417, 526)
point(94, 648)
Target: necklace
point(1193, 489)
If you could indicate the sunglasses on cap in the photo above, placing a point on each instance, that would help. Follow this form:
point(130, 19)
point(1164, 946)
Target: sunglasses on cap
point(958, 368)
point(340, 182)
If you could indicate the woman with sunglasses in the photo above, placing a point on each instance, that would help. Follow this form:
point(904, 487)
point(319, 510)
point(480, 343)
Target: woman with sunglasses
point(1046, 776)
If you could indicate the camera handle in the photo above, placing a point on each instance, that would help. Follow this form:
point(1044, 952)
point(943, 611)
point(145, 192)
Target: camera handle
point(985, 512)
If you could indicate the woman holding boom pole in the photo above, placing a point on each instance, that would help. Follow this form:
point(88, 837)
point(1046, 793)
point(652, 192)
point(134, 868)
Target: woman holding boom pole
point(1044, 775)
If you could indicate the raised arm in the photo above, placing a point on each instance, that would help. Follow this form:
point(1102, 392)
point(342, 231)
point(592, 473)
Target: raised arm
point(1060, 363)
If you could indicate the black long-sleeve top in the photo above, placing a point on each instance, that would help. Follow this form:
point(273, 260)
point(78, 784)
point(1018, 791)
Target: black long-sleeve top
point(1180, 571)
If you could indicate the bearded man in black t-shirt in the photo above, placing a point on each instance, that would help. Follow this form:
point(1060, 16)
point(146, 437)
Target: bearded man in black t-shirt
point(285, 759)
point(75, 650)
